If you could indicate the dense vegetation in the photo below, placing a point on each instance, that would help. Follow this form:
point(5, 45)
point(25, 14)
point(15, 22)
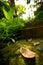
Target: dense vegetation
point(10, 25)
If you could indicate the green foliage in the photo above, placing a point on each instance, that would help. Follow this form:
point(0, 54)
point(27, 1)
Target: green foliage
point(8, 14)
point(39, 16)
point(39, 8)
point(8, 28)
point(21, 9)
point(6, 7)
point(7, 10)
point(39, 12)
point(28, 1)
point(2, 0)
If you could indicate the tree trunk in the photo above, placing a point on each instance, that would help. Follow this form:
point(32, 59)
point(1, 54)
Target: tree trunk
point(12, 3)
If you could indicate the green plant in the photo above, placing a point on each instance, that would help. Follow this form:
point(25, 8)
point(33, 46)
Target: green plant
point(39, 16)
point(6, 7)
point(9, 14)
point(21, 9)
point(9, 28)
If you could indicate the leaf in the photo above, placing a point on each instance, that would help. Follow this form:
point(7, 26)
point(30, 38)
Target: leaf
point(11, 13)
point(5, 13)
point(8, 14)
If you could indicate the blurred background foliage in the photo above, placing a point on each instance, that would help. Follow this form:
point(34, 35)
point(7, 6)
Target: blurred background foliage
point(21, 9)
point(39, 12)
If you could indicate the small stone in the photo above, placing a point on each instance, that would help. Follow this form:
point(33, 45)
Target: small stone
point(30, 39)
point(36, 43)
point(40, 48)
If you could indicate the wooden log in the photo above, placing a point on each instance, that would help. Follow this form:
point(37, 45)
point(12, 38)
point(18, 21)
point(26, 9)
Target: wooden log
point(27, 53)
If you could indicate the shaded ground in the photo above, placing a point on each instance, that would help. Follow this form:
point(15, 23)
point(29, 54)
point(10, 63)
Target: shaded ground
point(10, 53)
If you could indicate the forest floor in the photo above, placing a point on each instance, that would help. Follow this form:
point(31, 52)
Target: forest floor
point(10, 52)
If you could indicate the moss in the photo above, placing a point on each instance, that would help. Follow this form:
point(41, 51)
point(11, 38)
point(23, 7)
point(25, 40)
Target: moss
point(11, 54)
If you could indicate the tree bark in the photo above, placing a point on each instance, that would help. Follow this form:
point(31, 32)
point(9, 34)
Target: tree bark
point(12, 3)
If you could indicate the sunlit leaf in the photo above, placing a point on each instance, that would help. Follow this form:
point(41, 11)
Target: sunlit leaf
point(8, 14)
point(11, 13)
point(5, 13)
